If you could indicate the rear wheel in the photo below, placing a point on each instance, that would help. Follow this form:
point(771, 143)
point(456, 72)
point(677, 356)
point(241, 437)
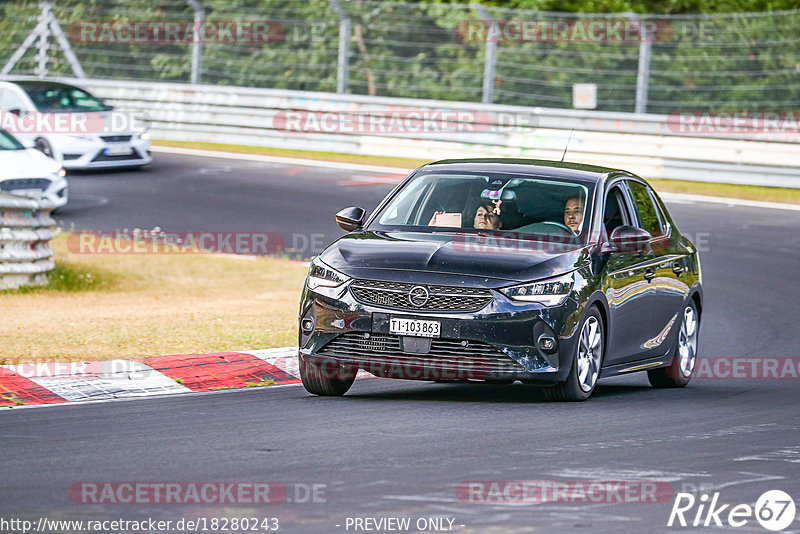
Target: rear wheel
point(586, 364)
point(678, 373)
point(327, 378)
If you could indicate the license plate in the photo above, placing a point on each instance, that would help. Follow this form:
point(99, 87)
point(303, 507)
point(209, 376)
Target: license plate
point(414, 327)
point(118, 150)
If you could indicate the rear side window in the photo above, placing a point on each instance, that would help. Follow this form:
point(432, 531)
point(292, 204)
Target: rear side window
point(649, 218)
point(615, 213)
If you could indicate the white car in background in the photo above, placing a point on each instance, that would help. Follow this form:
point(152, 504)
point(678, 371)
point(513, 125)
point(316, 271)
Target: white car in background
point(28, 172)
point(53, 116)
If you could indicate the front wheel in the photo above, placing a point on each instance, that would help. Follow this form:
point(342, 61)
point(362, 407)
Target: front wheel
point(327, 378)
point(586, 362)
point(678, 373)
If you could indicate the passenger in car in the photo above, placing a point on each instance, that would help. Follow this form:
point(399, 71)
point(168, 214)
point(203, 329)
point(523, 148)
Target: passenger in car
point(573, 213)
point(486, 217)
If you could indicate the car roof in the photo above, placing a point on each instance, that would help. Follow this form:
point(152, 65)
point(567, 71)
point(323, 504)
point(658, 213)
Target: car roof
point(539, 167)
point(29, 81)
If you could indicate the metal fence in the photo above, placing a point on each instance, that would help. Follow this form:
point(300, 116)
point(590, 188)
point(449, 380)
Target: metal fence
point(25, 232)
point(647, 144)
point(461, 52)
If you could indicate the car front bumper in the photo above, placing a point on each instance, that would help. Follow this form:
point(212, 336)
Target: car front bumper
point(498, 343)
point(95, 153)
point(52, 192)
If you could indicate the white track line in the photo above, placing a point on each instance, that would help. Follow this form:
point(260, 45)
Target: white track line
point(677, 197)
point(280, 159)
point(732, 202)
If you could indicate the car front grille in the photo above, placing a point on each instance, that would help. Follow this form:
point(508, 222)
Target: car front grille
point(372, 352)
point(133, 156)
point(441, 298)
point(116, 138)
point(24, 183)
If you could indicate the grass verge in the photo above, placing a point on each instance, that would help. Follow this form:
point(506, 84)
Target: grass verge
point(747, 192)
point(104, 306)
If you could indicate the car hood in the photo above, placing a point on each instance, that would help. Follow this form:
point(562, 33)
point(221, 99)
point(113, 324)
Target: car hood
point(467, 259)
point(27, 163)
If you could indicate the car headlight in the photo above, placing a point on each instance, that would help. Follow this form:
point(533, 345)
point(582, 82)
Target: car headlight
point(142, 126)
point(550, 292)
point(320, 275)
point(58, 170)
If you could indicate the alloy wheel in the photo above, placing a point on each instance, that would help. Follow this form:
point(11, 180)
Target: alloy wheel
point(687, 341)
point(590, 353)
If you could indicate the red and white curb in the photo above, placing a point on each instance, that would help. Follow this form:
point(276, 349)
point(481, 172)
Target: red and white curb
point(63, 382)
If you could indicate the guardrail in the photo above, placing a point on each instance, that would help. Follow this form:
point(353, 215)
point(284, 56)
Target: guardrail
point(653, 146)
point(25, 231)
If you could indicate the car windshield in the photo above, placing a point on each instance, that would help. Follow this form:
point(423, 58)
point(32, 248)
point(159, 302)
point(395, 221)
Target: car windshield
point(61, 97)
point(8, 142)
point(523, 204)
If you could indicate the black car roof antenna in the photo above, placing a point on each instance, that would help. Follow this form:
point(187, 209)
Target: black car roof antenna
point(566, 147)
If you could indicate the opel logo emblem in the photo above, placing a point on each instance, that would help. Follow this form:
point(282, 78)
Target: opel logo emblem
point(418, 296)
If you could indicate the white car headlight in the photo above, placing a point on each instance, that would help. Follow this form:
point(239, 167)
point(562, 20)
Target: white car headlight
point(320, 275)
point(58, 170)
point(550, 292)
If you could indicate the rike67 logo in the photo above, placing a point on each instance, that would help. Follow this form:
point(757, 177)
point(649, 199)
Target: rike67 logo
point(774, 510)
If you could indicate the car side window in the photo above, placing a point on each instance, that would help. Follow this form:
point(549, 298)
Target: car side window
point(662, 212)
point(615, 214)
point(649, 218)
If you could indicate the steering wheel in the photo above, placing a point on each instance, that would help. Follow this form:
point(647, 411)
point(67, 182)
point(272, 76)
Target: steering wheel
point(561, 226)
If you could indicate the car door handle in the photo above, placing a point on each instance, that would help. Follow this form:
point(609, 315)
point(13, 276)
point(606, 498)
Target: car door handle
point(649, 274)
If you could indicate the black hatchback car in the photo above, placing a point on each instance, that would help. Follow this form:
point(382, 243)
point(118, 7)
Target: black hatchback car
point(498, 270)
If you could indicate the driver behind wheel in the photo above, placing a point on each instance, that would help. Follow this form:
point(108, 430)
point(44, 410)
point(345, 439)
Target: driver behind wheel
point(573, 213)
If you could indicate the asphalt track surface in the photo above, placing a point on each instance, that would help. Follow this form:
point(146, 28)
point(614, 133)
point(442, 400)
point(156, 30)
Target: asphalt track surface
point(396, 448)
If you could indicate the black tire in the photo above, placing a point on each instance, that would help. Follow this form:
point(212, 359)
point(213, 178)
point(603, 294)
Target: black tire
point(327, 379)
point(574, 388)
point(44, 147)
point(684, 354)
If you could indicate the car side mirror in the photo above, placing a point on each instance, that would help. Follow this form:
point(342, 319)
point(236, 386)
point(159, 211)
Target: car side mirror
point(627, 239)
point(350, 219)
